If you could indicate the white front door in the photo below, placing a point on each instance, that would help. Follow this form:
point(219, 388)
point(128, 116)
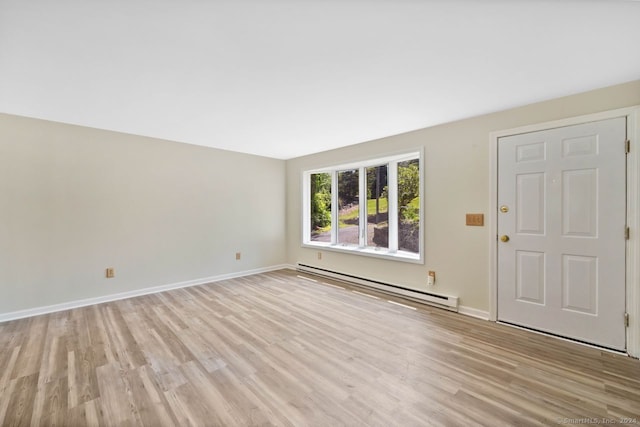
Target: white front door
point(561, 205)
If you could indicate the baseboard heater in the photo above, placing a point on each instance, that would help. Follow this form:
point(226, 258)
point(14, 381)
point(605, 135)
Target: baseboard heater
point(441, 301)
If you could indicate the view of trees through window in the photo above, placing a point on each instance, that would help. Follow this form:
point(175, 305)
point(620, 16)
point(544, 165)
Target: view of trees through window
point(368, 225)
point(321, 207)
point(409, 206)
point(377, 207)
point(348, 207)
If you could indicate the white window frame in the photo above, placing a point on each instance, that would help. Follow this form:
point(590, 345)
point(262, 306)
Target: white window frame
point(392, 252)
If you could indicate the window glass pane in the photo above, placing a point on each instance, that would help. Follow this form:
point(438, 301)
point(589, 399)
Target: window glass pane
point(409, 206)
point(377, 207)
point(320, 207)
point(348, 207)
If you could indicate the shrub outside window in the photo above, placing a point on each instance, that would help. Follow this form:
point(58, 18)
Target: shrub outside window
point(369, 208)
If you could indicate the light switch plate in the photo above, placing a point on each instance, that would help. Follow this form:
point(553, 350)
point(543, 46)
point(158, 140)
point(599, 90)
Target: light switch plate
point(475, 219)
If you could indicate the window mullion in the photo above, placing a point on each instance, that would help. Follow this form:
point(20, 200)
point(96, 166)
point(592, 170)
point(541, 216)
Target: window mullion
point(334, 207)
point(306, 207)
point(362, 220)
point(392, 177)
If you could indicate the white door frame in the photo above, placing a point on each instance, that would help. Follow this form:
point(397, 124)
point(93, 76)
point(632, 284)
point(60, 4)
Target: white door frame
point(633, 212)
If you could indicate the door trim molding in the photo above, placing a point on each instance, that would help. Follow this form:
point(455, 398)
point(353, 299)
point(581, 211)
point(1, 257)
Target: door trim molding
point(633, 211)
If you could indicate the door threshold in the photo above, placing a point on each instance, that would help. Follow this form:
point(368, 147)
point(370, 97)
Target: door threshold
point(560, 337)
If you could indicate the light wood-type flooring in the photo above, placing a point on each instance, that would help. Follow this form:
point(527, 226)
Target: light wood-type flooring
point(278, 349)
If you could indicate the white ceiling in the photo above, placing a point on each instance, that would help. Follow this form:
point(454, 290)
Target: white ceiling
point(285, 78)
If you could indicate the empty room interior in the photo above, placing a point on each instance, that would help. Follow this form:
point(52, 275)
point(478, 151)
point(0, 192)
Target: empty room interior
point(309, 213)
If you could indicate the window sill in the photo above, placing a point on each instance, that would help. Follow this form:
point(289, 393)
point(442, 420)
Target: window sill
point(370, 252)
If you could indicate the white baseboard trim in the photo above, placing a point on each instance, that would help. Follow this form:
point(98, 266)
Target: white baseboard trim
point(36, 311)
point(473, 312)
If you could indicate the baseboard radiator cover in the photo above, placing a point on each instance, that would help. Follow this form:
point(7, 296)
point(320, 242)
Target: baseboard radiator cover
point(446, 302)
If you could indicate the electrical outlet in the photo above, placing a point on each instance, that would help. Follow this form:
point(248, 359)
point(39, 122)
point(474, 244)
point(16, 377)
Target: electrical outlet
point(431, 278)
point(319, 255)
point(238, 256)
point(110, 273)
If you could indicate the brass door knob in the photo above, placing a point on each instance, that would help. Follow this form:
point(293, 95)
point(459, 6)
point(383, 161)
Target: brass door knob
point(504, 208)
point(504, 238)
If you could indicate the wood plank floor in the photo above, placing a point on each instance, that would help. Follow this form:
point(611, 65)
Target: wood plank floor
point(277, 349)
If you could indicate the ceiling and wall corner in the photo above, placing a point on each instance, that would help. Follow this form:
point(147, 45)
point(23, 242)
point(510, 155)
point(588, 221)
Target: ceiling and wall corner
point(284, 78)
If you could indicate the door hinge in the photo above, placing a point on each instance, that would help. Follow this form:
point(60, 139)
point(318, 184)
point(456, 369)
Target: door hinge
point(627, 146)
point(626, 320)
point(627, 233)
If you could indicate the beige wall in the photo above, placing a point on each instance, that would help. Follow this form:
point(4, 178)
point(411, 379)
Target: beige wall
point(76, 200)
point(456, 182)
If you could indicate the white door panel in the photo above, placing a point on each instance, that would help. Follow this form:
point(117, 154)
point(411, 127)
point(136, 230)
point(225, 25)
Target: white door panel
point(530, 268)
point(563, 268)
point(530, 209)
